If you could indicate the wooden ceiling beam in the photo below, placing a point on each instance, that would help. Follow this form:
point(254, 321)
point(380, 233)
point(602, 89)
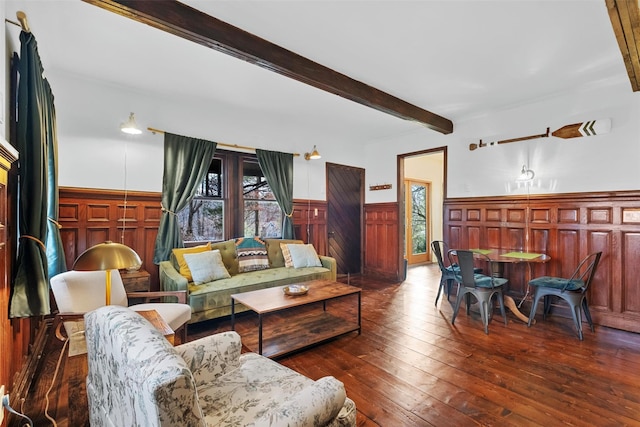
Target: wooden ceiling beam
point(189, 23)
point(625, 20)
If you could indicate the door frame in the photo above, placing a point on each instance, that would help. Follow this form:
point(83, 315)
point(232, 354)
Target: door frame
point(401, 195)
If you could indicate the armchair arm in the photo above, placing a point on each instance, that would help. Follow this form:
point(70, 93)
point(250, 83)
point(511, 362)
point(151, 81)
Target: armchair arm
point(330, 263)
point(211, 356)
point(65, 317)
point(181, 296)
point(170, 278)
point(317, 404)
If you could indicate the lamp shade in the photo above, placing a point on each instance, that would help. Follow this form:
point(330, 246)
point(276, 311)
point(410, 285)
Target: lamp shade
point(131, 127)
point(107, 256)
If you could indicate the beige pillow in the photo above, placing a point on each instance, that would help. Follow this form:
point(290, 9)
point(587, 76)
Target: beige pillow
point(286, 254)
point(206, 266)
point(179, 254)
point(303, 256)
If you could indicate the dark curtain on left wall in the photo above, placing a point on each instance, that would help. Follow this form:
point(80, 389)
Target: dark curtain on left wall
point(37, 174)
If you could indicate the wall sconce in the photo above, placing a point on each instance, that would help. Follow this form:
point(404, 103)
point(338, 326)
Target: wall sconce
point(526, 174)
point(130, 126)
point(313, 155)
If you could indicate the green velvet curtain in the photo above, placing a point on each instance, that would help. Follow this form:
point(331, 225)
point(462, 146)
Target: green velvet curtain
point(56, 262)
point(37, 148)
point(186, 162)
point(278, 170)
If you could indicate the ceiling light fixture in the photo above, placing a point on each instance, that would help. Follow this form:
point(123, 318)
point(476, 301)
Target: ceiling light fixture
point(314, 155)
point(130, 126)
point(526, 174)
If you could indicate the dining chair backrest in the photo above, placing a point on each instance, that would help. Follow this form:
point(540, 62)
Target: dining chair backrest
point(585, 271)
point(466, 261)
point(439, 248)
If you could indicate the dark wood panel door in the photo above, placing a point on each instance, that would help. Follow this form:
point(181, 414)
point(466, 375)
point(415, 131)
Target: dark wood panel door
point(345, 200)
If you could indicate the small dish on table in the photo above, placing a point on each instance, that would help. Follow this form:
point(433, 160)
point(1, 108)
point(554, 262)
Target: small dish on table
point(295, 290)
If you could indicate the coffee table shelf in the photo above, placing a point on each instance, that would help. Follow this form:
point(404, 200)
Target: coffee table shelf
point(312, 327)
point(308, 331)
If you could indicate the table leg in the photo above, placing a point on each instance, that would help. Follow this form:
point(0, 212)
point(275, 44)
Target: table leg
point(260, 333)
point(233, 314)
point(511, 305)
point(359, 313)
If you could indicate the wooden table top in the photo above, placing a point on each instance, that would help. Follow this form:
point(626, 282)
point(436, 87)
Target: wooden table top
point(274, 299)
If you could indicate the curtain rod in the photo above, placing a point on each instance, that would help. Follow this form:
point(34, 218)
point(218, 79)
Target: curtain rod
point(154, 131)
point(22, 18)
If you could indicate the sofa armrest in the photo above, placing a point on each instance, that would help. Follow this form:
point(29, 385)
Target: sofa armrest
point(171, 279)
point(330, 263)
point(211, 356)
point(317, 404)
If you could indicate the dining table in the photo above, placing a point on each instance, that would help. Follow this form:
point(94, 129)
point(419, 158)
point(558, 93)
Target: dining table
point(500, 257)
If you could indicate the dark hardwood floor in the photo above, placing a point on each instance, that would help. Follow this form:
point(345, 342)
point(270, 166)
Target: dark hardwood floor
point(411, 367)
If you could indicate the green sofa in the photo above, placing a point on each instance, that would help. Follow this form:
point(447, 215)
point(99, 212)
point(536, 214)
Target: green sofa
point(213, 299)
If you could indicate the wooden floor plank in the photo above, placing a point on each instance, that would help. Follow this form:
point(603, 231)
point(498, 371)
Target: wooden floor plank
point(412, 367)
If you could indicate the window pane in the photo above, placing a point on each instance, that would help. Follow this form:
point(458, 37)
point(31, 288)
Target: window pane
point(202, 220)
point(419, 218)
point(262, 218)
point(211, 186)
point(254, 184)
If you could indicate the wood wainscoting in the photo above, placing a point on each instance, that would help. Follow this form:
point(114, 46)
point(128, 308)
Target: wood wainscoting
point(90, 216)
point(382, 241)
point(310, 223)
point(567, 227)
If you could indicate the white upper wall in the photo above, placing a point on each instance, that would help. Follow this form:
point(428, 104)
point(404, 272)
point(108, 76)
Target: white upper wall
point(92, 151)
point(596, 163)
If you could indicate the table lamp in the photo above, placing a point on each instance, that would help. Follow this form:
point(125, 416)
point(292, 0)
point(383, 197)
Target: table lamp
point(107, 256)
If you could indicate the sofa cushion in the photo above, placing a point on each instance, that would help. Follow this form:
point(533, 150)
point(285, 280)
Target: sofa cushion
point(213, 299)
point(227, 249)
point(303, 256)
point(274, 251)
point(206, 266)
point(252, 254)
point(178, 253)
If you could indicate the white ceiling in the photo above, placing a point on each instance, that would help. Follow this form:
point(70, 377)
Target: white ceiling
point(460, 59)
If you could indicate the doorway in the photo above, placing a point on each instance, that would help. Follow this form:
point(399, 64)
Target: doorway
point(428, 166)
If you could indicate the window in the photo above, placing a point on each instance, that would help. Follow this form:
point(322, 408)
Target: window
point(234, 200)
point(262, 214)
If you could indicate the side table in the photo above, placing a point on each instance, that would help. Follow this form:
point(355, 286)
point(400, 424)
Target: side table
point(136, 281)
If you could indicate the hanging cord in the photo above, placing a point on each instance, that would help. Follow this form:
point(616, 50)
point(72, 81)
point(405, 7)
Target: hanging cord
point(124, 211)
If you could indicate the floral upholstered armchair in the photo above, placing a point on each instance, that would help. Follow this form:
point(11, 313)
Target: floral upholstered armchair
point(137, 378)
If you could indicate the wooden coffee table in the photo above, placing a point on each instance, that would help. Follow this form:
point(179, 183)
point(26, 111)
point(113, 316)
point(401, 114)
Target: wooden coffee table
point(300, 332)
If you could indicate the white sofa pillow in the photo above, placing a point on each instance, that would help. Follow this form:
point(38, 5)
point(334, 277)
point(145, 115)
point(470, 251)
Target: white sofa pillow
point(303, 255)
point(206, 266)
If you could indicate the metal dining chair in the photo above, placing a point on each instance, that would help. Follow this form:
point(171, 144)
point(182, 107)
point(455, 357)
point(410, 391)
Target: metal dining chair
point(447, 272)
point(482, 287)
point(447, 275)
point(573, 290)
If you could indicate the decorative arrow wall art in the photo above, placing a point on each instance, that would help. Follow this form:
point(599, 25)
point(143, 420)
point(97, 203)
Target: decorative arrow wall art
point(589, 128)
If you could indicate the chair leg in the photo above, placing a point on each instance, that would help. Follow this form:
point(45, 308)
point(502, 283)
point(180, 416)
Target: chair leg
point(546, 307)
point(461, 294)
point(534, 307)
point(484, 313)
point(184, 334)
point(440, 290)
point(502, 310)
point(576, 312)
point(587, 313)
point(468, 301)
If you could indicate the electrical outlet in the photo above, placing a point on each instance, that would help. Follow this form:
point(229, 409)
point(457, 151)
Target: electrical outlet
point(1, 405)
